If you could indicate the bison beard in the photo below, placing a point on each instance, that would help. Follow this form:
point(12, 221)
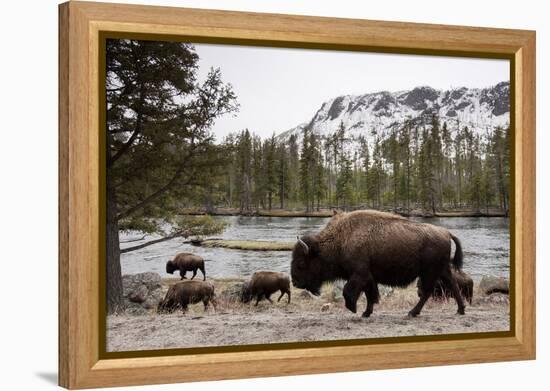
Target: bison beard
point(367, 248)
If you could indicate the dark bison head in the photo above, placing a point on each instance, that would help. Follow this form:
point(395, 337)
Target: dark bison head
point(166, 307)
point(305, 267)
point(170, 267)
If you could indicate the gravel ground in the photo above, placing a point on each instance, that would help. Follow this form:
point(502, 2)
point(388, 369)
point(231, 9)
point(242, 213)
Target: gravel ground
point(305, 319)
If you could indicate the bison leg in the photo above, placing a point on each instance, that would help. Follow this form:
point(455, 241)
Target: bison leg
point(418, 307)
point(470, 293)
point(449, 279)
point(427, 291)
point(258, 298)
point(373, 296)
point(214, 302)
point(182, 273)
point(194, 273)
point(283, 293)
point(205, 302)
point(268, 297)
point(203, 273)
point(280, 296)
point(352, 291)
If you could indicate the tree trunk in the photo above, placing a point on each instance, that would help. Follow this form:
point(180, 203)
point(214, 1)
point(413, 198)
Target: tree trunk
point(114, 274)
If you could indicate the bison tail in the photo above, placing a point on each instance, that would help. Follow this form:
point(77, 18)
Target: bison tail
point(457, 259)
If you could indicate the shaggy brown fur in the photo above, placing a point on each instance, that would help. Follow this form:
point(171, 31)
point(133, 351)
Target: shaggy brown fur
point(182, 294)
point(367, 248)
point(443, 290)
point(185, 262)
point(264, 284)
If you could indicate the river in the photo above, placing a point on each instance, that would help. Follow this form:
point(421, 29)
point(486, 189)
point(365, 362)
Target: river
point(485, 241)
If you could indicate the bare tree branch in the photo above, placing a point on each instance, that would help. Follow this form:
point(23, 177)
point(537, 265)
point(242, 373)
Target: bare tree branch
point(135, 133)
point(126, 145)
point(133, 240)
point(152, 196)
point(151, 242)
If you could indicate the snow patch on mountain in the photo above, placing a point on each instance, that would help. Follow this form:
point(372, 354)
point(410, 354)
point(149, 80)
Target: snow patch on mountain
point(375, 114)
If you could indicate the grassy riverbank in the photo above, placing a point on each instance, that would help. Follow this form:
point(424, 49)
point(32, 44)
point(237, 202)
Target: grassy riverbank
point(306, 318)
point(253, 245)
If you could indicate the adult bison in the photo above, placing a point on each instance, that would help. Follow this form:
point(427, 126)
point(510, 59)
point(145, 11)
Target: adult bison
point(264, 284)
point(367, 248)
point(185, 262)
point(182, 294)
point(443, 290)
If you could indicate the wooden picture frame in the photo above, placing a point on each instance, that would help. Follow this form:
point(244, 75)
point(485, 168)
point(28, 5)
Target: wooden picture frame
point(81, 25)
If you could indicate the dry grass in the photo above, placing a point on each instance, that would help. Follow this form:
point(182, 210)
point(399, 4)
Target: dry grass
point(399, 300)
point(254, 245)
point(306, 318)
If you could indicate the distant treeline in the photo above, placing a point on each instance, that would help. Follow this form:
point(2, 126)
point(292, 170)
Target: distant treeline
point(429, 167)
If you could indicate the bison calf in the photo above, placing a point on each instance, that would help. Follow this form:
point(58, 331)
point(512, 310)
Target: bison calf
point(184, 293)
point(264, 284)
point(442, 289)
point(185, 262)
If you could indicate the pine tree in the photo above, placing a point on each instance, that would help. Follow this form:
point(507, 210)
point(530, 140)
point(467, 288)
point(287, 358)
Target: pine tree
point(282, 162)
point(258, 176)
point(436, 159)
point(294, 169)
point(270, 170)
point(459, 163)
point(415, 166)
point(244, 171)
point(154, 100)
point(424, 171)
point(319, 179)
point(395, 160)
point(405, 182)
point(305, 171)
point(376, 175)
point(344, 183)
point(366, 170)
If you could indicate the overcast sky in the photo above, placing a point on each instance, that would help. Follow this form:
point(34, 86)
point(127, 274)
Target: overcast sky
point(278, 89)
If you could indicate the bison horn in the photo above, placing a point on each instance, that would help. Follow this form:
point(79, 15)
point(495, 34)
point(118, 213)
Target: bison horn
point(303, 244)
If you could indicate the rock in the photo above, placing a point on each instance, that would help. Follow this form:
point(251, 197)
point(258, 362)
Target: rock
point(138, 294)
point(492, 284)
point(130, 282)
point(307, 295)
point(153, 298)
point(326, 307)
point(495, 299)
point(134, 309)
point(141, 292)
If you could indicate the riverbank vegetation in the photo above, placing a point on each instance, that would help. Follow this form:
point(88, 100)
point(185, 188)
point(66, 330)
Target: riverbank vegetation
point(253, 245)
point(421, 165)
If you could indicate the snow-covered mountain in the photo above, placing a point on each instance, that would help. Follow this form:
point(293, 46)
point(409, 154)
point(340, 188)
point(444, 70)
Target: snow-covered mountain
point(374, 114)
